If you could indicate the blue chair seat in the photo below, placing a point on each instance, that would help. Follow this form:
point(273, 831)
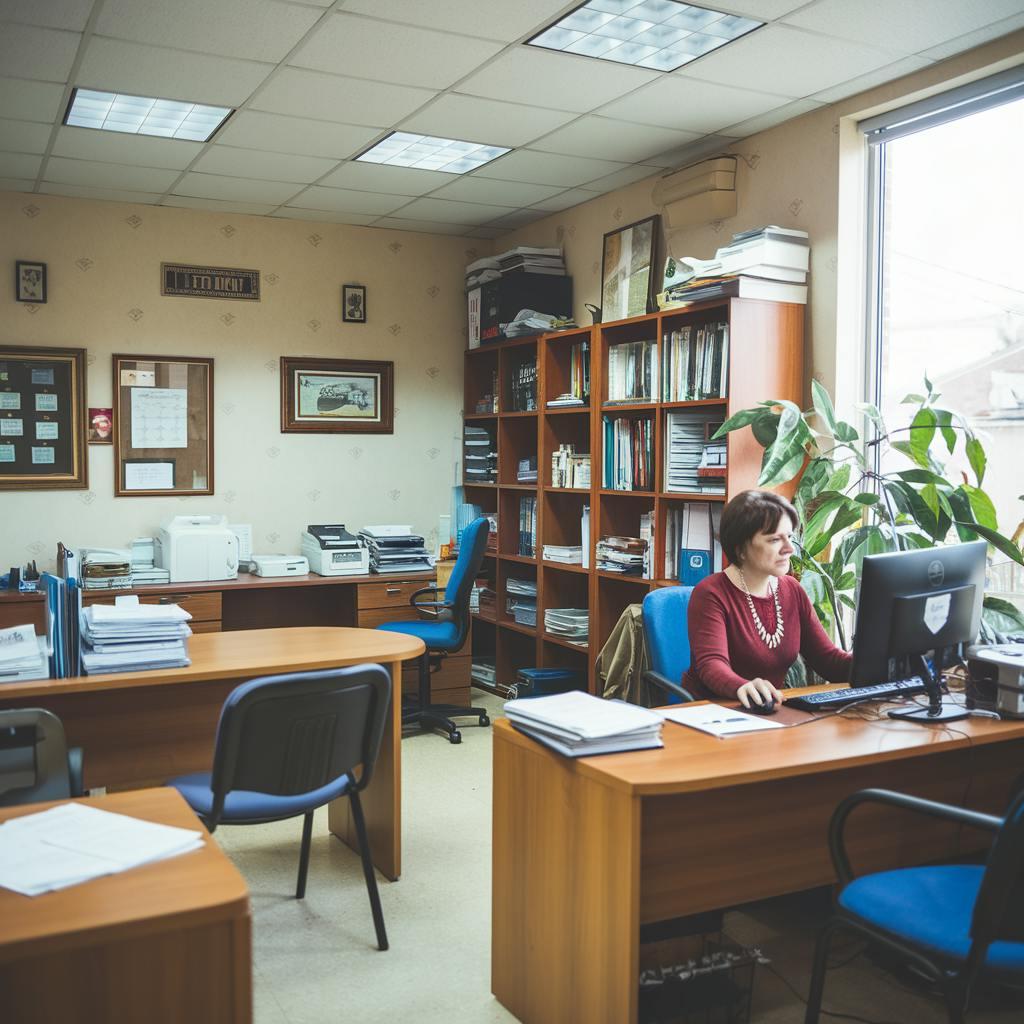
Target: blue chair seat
point(436, 635)
point(931, 908)
point(242, 805)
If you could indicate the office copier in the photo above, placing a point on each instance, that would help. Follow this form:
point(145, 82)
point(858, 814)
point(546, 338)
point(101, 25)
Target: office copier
point(333, 551)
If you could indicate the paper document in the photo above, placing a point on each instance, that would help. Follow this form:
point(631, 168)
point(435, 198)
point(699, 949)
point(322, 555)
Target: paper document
point(716, 720)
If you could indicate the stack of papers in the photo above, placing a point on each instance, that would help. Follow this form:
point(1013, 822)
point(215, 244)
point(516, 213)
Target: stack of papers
point(481, 271)
point(529, 321)
point(394, 548)
point(22, 655)
point(571, 623)
point(144, 569)
point(578, 724)
point(566, 554)
point(625, 555)
point(74, 843)
point(133, 637)
point(531, 260)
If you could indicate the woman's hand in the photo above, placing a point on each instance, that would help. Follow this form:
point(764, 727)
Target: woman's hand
point(758, 691)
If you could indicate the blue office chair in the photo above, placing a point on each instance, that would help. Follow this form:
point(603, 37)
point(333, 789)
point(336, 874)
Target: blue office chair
point(289, 744)
point(444, 631)
point(668, 640)
point(956, 922)
point(35, 762)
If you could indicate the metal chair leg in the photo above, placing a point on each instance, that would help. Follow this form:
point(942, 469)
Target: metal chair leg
point(818, 972)
point(307, 835)
point(371, 878)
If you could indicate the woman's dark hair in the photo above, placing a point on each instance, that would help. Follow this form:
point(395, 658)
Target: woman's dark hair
point(748, 514)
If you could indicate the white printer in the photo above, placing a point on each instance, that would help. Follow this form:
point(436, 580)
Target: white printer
point(279, 565)
point(333, 551)
point(194, 549)
point(1003, 666)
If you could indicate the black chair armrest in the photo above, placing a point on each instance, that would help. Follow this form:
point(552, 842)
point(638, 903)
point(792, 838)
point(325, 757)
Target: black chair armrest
point(666, 685)
point(426, 608)
point(931, 808)
point(75, 771)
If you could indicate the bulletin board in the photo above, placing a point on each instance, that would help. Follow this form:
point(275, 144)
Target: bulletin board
point(163, 437)
point(42, 418)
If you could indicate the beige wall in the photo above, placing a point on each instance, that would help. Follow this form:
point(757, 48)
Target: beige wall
point(104, 296)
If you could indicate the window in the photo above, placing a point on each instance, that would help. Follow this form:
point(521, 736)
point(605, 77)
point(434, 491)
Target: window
point(948, 280)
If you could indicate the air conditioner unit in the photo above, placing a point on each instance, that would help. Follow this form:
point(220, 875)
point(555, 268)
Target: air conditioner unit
point(698, 194)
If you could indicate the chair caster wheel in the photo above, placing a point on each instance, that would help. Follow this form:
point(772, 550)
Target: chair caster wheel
point(456, 737)
point(484, 720)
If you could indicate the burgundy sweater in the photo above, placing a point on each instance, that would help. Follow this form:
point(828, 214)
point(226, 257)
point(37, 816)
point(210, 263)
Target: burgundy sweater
point(726, 650)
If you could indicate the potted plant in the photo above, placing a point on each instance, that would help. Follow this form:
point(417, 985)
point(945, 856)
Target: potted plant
point(850, 508)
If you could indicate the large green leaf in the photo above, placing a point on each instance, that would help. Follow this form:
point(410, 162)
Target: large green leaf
point(866, 498)
point(823, 406)
point(976, 457)
point(922, 432)
point(738, 420)
point(840, 479)
point(913, 399)
point(944, 418)
point(765, 429)
point(907, 500)
point(846, 432)
point(873, 415)
point(1003, 615)
point(923, 476)
point(781, 463)
point(998, 541)
point(982, 509)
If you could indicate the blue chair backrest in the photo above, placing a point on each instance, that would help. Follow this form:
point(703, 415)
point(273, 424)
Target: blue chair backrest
point(667, 632)
point(999, 908)
point(460, 583)
point(291, 734)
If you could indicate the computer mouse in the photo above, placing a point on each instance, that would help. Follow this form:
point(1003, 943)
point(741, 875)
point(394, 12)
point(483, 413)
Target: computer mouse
point(767, 708)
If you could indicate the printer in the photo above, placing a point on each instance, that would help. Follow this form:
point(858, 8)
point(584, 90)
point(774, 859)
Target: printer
point(195, 549)
point(333, 551)
point(996, 678)
point(279, 565)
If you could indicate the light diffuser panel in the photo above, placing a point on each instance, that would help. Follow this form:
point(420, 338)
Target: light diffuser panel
point(427, 153)
point(144, 115)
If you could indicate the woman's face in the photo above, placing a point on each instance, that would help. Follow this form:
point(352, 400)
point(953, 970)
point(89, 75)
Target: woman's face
point(769, 551)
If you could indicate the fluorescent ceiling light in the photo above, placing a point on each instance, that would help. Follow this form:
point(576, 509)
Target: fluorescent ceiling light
point(404, 149)
point(659, 34)
point(143, 115)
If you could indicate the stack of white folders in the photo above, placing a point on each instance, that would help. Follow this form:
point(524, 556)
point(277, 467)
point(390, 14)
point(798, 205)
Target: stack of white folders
point(577, 724)
point(134, 637)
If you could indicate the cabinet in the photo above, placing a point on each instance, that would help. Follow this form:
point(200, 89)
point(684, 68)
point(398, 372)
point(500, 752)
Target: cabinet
point(764, 360)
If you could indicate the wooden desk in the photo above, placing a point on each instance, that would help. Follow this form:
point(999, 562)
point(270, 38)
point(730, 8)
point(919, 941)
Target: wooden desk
point(141, 729)
point(163, 943)
point(586, 851)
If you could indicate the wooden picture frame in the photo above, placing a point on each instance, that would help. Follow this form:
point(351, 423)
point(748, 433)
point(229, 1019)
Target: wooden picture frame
point(337, 396)
point(627, 270)
point(42, 418)
point(353, 304)
point(163, 425)
point(29, 281)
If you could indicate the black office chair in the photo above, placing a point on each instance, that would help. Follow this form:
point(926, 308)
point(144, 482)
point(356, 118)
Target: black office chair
point(444, 632)
point(955, 922)
point(289, 744)
point(35, 763)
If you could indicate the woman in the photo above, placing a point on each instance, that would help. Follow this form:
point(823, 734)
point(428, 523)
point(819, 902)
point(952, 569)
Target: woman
point(749, 623)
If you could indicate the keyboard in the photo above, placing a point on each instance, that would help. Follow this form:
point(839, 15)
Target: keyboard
point(829, 699)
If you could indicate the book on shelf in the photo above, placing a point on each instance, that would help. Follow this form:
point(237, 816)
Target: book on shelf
point(695, 362)
point(713, 467)
point(526, 470)
point(623, 555)
point(628, 454)
point(686, 434)
point(692, 546)
point(632, 372)
point(647, 535)
point(579, 370)
point(585, 536)
point(492, 533)
point(527, 527)
point(565, 554)
point(570, 468)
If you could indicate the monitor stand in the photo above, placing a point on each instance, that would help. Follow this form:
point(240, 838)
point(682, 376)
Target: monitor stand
point(938, 710)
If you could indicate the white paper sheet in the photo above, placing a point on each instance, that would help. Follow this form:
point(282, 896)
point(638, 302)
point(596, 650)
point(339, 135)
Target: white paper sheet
point(159, 417)
point(716, 720)
point(148, 476)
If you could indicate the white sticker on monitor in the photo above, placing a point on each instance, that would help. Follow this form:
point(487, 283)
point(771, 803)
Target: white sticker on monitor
point(936, 611)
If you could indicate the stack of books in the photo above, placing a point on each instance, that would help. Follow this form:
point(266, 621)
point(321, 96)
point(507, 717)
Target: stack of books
point(624, 555)
point(105, 569)
point(578, 724)
point(395, 548)
point(132, 637)
point(526, 259)
point(143, 565)
point(566, 554)
point(628, 454)
point(22, 655)
point(481, 455)
point(570, 468)
point(572, 624)
point(695, 363)
point(524, 387)
point(632, 372)
point(686, 435)
point(526, 471)
point(527, 527)
point(521, 601)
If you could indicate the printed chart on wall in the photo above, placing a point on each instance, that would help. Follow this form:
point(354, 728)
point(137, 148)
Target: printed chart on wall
point(42, 418)
point(164, 438)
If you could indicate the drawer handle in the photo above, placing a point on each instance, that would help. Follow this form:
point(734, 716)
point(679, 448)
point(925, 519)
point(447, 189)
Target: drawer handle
point(392, 590)
point(174, 598)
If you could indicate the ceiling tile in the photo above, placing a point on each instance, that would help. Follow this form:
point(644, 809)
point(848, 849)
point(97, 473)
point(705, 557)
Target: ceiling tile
point(484, 232)
point(390, 52)
point(976, 38)
point(29, 101)
point(17, 184)
point(333, 98)
point(244, 190)
point(38, 53)
point(67, 14)
point(251, 163)
point(117, 66)
point(253, 129)
point(548, 168)
point(904, 66)
point(474, 189)
point(905, 26)
point(620, 179)
point(763, 122)
point(345, 200)
point(489, 19)
point(445, 211)
point(121, 148)
point(473, 119)
point(398, 181)
point(536, 77)
point(602, 137)
point(19, 165)
point(762, 10)
point(24, 136)
point(55, 188)
point(795, 62)
point(688, 103)
point(103, 175)
point(224, 205)
point(324, 216)
point(564, 200)
point(231, 28)
point(422, 226)
point(517, 219)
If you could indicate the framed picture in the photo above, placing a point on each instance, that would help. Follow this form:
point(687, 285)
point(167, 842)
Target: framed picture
point(42, 418)
point(29, 281)
point(627, 281)
point(353, 304)
point(337, 396)
point(101, 426)
point(162, 425)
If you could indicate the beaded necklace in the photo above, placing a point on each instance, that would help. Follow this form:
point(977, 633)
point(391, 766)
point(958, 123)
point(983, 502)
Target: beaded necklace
point(771, 640)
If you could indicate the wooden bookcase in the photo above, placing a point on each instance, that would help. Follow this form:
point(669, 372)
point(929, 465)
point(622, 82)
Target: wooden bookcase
point(766, 343)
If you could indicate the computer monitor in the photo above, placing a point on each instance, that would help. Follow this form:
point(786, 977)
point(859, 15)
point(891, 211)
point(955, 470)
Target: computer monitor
point(912, 604)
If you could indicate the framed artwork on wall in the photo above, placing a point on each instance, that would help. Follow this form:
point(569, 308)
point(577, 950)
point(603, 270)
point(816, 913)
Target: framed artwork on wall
point(29, 281)
point(627, 263)
point(337, 396)
point(353, 303)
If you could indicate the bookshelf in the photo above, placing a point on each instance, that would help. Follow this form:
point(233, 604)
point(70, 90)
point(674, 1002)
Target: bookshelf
point(764, 359)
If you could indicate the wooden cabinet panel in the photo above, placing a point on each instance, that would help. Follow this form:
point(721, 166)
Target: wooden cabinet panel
point(371, 618)
point(388, 595)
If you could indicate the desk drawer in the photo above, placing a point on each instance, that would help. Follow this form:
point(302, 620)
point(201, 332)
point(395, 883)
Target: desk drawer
point(371, 618)
point(389, 595)
point(203, 606)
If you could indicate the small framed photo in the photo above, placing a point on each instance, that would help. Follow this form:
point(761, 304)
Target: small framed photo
point(101, 426)
point(337, 396)
point(353, 304)
point(30, 281)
